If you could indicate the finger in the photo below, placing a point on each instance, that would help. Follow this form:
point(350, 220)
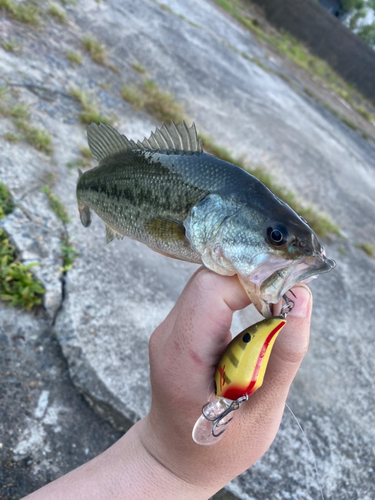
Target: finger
point(202, 327)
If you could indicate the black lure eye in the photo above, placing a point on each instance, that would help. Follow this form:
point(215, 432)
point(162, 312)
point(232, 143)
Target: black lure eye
point(277, 235)
point(246, 337)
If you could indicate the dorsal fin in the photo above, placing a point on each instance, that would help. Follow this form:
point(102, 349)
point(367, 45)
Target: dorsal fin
point(104, 141)
point(179, 138)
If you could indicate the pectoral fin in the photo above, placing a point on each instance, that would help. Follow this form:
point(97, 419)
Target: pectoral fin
point(164, 229)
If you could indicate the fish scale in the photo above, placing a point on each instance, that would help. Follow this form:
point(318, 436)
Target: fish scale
point(192, 206)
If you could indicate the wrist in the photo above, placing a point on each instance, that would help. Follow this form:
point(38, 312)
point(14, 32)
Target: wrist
point(147, 476)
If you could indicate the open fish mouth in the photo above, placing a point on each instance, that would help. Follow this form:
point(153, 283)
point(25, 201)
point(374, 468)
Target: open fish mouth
point(273, 287)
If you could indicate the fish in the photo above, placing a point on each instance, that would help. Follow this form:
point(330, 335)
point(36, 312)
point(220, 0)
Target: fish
point(167, 193)
point(242, 366)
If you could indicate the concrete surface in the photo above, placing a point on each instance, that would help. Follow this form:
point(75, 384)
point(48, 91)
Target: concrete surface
point(116, 294)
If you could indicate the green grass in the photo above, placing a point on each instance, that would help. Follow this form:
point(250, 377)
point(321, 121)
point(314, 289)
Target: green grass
point(20, 111)
point(18, 287)
point(132, 95)
point(10, 46)
point(56, 205)
point(37, 137)
point(6, 203)
point(162, 105)
point(90, 113)
point(74, 57)
point(342, 251)
point(69, 254)
point(337, 114)
point(368, 249)
point(57, 12)
point(138, 67)
point(8, 136)
point(25, 12)
point(95, 49)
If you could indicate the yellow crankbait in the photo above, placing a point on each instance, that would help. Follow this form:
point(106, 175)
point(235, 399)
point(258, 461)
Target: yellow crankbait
point(239, 372)
point(243, 364)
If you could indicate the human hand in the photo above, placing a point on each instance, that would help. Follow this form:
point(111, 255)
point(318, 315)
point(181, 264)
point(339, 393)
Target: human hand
point(157, 457)
point(184, 351)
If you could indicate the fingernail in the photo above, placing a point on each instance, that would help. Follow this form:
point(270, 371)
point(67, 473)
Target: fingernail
point(303, 301)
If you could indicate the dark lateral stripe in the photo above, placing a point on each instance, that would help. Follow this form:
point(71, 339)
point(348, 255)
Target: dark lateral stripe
point(227, 379)
point(232, 358)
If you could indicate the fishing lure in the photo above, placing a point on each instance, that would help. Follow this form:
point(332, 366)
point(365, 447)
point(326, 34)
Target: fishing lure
point(239, 372)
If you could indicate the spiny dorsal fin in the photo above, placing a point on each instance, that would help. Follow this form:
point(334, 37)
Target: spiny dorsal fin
point(179, 138)
point(104, 141)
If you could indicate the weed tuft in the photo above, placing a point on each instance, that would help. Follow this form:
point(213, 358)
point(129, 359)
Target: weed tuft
point(90, 113)
point(138, 67)
point(95, 49)
point(20, 111)
point(35, 136)
point(162, 105)
point(18, 286)
point(368, 249)
point(56, 205)
point(69, 254)
point(12, 137)
point(74, 57)
point(57, 12)
point(23, 12)
point(10, 46)
point(6, 203)
point(132, 95)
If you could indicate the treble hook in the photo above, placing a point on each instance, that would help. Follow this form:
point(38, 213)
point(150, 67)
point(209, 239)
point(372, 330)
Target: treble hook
point(219, 417)
point(288, 306)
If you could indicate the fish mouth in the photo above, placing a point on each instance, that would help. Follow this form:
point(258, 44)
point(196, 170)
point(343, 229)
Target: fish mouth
point(270, 290)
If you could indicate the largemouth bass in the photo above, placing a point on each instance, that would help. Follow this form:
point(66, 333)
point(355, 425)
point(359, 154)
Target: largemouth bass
point(184, 203)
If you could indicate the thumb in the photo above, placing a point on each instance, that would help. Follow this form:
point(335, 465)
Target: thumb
point(293, 341)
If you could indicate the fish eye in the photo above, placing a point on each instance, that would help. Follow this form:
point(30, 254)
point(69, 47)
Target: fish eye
point(277, 235)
